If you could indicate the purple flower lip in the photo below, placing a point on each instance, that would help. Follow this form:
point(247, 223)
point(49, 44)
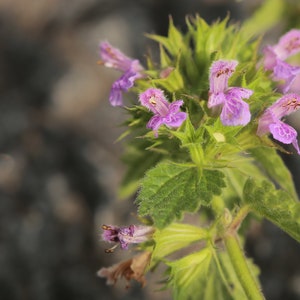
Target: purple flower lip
point(165, 113)
point(124, 236)
point(234, 111)
point(270, 121)
point(131, 68)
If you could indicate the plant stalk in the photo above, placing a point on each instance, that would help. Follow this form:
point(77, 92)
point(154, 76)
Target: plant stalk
point(241, 267)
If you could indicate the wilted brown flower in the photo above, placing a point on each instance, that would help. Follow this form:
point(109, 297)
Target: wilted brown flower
point(133, 268)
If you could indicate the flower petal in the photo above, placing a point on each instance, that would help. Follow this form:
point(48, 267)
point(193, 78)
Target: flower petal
point(288, 45)
point(216, 99)
point(235, 112)
point(123, 84)
point(155, 100)
point(113, 57)
point(270, 58)
point(285, 133)
point(264, 122)
point(285, 105)
point(155, 122)
point(115, 96)
point(220, 72)
point(282, 132)
point(175, 106)
point(175, 120)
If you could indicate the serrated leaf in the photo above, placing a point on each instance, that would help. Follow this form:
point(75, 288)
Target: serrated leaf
point(206, 276)
point(170, 189)
point(211, 183)
point(189, 274)
point(138, 161)
point(275, 205)
point(275, 168)
point(175, 237)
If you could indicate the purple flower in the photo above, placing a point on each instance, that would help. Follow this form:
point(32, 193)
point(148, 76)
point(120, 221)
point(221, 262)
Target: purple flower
point(270, 120)
point(126, 235)
point(131, 68)
point(275, 56)
point(164, 112)
point(125, 82)
point(234, 111)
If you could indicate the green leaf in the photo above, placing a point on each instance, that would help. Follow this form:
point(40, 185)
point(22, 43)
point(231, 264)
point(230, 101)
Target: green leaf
point(189, 275)
point(275, 205)
point(173, 43)
point(206, 275)
point(175, 237)
point(138, 161)
point(275, 168)
point(172, 83)
point(262, 20)
point(170, 189)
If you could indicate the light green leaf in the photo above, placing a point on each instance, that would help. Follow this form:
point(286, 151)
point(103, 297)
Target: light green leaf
point(275, 168)
point(170, 189)
point(275, 205)
point(262, 20)
point(206, 275)
point(189, 275)
point(175, 237)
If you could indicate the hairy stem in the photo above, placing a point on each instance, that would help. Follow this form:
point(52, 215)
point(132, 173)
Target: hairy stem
point(238, 219)
point(241, 267)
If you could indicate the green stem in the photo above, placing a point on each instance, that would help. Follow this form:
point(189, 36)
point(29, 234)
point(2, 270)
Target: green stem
point(223, 277)
point(196, 153)
point(238, 219)
point(241, 267)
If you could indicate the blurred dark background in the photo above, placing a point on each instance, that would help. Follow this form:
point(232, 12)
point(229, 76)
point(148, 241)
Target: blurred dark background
point(60, 167)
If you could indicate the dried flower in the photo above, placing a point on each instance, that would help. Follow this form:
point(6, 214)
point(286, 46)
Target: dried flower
point(234, 111)
point(275, 56)
point(113, 58)
point(270, 120)
point(126, 235)
point(133, 268)
point(164, 112)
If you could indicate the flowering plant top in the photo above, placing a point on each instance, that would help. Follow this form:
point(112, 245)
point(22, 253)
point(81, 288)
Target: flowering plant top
point(204, 136)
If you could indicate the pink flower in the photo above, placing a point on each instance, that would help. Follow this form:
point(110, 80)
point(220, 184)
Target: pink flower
point(270, 120)
point(275, 56)
point(113, 58)
point(164, 112)
point(234, 111)
point(126, 235)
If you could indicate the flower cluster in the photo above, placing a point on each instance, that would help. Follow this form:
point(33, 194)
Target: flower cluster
point(228, 100)
point(213, 107)
point(275, 59)
point(131, 68)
